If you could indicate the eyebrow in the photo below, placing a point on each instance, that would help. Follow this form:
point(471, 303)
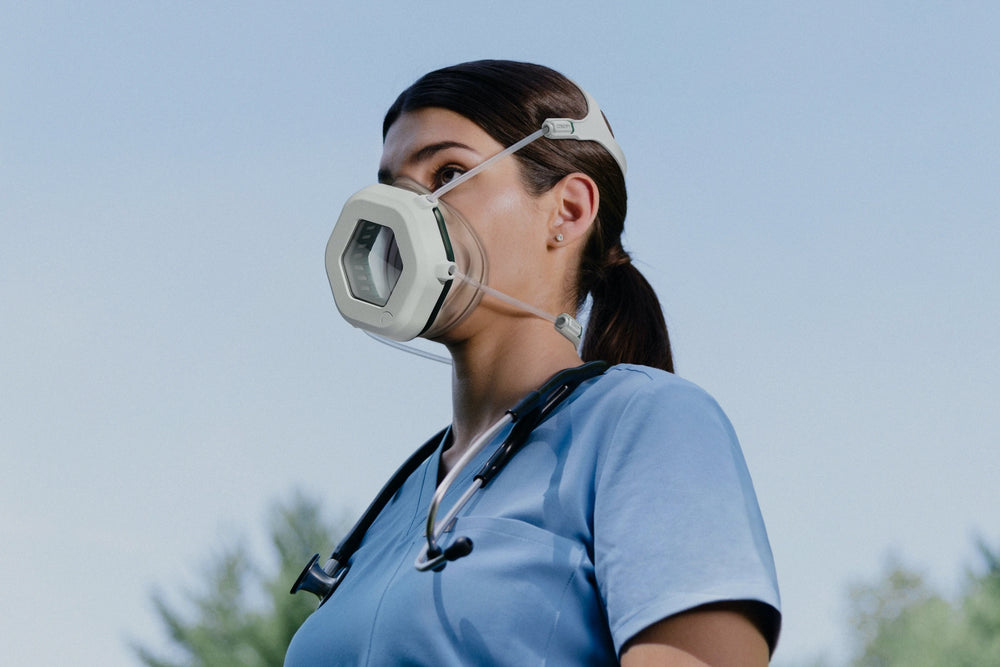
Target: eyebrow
point(385, 176)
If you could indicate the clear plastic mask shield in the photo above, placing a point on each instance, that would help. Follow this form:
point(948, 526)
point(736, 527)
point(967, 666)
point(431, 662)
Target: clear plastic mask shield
point(372, 263)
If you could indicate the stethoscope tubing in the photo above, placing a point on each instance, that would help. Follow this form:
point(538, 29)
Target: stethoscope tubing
point(431, 555)
point(525, 417)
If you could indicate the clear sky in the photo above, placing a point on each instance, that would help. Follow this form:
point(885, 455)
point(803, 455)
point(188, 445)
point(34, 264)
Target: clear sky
point(813, 192)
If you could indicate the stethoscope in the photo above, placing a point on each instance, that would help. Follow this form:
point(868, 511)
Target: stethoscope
point(531, 411)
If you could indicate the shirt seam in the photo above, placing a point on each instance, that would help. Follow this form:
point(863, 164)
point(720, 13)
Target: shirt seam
point(378, 609)
point(562, 599)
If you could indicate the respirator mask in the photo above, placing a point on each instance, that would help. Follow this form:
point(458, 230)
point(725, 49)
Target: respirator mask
point(403, 264)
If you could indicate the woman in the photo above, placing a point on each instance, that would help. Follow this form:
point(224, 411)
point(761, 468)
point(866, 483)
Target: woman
point(626, 529)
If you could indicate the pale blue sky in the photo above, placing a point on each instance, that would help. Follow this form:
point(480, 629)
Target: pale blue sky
point(813, 192)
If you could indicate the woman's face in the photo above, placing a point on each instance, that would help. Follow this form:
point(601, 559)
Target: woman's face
point(432, 146)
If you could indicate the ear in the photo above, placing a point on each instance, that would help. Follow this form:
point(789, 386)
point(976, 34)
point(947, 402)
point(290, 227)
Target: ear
point(576, 199)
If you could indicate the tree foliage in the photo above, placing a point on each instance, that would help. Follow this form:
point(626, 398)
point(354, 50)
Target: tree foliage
point(900, 621)
point(243, 614)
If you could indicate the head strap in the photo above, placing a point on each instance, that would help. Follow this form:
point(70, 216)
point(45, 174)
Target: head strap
point(593, 127)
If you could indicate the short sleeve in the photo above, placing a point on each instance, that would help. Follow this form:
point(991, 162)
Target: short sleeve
point(676, 519)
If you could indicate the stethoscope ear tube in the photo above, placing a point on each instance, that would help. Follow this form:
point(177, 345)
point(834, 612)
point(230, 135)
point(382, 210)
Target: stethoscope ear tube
point(525, 416)
point(432, 557)
point(532, 411)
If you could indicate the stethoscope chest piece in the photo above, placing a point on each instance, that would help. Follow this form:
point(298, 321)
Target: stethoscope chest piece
point(316, 580)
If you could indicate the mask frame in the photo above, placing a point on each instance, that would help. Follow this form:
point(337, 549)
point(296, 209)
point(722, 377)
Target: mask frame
point(426, 252)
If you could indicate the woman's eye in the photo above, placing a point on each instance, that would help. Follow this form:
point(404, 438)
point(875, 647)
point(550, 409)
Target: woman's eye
point(446, 174)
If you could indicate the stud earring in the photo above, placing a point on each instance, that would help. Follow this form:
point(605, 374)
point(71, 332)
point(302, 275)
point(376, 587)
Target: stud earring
point(559, 238)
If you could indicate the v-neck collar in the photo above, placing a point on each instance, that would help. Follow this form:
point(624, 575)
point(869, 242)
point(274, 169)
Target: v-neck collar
point(430, 475)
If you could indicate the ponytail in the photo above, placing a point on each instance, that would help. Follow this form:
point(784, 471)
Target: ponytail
point(626, 322)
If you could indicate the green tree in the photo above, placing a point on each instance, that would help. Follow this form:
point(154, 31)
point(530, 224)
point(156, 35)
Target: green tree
point(900, 621)
point(243, 614)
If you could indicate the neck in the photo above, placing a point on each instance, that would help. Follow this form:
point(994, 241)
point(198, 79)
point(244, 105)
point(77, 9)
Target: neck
point(493, 372)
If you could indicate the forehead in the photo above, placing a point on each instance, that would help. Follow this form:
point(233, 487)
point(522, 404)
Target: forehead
point(416, 130)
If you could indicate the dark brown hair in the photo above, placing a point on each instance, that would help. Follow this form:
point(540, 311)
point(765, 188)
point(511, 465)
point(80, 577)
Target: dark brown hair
point(510, 100)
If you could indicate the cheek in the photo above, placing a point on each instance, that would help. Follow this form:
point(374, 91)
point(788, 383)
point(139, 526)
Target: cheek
point(510, 226)
point(513, 235)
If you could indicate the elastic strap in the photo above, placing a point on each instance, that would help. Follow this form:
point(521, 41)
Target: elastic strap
point(516, 146)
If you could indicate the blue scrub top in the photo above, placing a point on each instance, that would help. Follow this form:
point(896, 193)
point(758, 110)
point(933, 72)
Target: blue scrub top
point(630, 503)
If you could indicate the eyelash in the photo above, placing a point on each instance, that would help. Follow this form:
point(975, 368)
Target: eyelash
point(439, 173)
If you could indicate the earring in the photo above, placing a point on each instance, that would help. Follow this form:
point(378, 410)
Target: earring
point(559, 238)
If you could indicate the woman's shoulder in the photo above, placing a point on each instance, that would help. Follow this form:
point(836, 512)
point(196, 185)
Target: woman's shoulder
point(632, 382)
point(632, 398)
